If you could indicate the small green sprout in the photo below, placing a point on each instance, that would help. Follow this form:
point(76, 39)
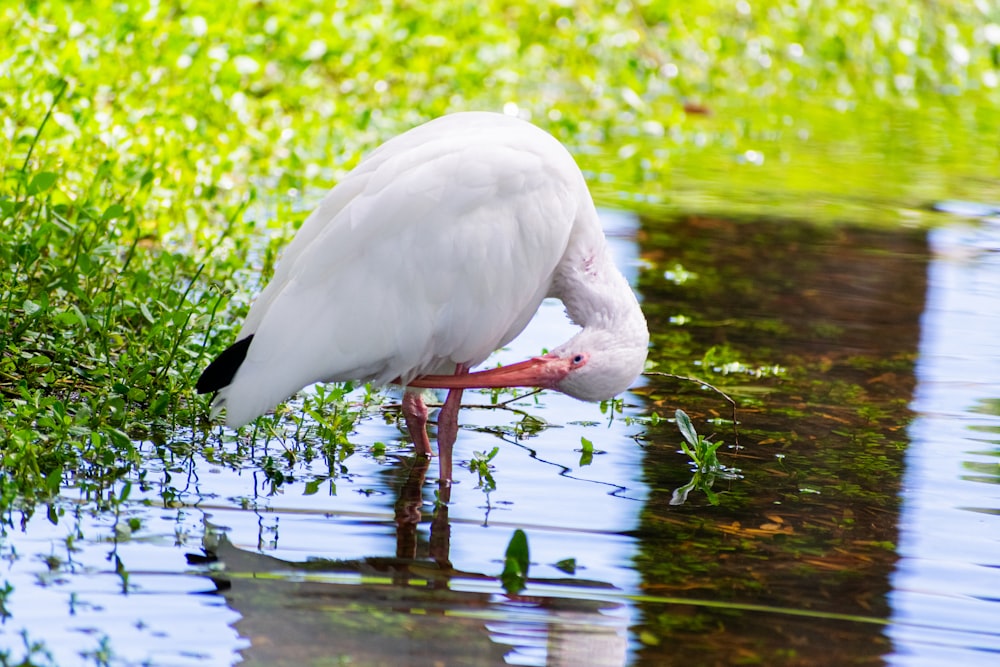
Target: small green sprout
point(586, 452)
point(704, 460)
point(480, 464)
point(699, 449)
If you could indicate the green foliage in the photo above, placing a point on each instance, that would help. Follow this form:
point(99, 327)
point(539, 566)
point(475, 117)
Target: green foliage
point(586, 452)
point(515, 564)
point(724, 360)
point(699, 449)
point(35, 654)
point(704, 461)
point(567, 565)
point(480, 464)
point(135, 136)
point(5, 594)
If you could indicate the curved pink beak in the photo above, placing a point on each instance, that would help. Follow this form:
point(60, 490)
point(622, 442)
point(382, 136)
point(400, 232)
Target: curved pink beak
point(544, 372)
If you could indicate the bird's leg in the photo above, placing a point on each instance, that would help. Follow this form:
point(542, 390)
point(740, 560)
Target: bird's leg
point(415, 414)
point(447, 431)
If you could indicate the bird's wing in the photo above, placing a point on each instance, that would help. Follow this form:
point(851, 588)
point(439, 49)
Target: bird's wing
point(434, 251)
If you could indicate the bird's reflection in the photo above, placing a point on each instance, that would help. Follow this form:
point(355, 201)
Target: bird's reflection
point(409, 514)
point(411, 608)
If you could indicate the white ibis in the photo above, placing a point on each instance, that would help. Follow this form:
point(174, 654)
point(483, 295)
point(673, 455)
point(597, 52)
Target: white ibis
point(433, 252)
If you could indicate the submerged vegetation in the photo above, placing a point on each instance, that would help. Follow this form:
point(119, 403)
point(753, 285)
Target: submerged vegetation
point(704, 460)
point(155, 157)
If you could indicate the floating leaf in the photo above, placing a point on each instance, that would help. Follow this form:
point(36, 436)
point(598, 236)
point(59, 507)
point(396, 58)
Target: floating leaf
point(515, 566)
point(567, 565)
point(587, 452)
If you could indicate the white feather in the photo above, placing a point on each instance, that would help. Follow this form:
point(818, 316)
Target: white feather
point(436, 250)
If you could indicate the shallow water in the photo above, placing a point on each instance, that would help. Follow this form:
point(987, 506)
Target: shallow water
point(946, 585)
point(864, 526)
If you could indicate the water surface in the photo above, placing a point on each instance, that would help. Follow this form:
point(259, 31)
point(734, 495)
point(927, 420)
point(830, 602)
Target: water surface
point(863, 527)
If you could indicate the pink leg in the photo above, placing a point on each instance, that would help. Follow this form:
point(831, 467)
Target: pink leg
point(447, 431)
point(415, 414)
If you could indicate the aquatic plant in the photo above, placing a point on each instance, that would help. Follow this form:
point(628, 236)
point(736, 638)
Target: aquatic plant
point(704, 460)
point(515, 563)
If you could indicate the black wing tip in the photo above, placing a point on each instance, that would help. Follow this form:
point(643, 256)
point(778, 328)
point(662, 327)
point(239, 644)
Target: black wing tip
point(221, 371)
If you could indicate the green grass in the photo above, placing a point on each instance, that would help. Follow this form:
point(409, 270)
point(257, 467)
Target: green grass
point(154, 156)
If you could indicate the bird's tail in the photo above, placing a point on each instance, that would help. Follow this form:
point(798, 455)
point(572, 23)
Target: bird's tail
point(220, 373)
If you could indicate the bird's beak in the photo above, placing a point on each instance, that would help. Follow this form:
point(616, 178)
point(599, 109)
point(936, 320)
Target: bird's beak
point(544, 372)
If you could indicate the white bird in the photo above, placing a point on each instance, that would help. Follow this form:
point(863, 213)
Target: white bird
point(436, 250)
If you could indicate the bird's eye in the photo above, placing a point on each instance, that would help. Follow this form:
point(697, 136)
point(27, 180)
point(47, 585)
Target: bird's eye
point(578, 359)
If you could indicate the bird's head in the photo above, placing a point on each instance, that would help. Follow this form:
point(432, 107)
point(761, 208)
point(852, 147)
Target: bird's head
point(594, 365)
point(601, 364)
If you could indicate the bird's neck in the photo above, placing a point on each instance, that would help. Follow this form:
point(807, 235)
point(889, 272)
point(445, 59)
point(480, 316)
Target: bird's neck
point(594, 291)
